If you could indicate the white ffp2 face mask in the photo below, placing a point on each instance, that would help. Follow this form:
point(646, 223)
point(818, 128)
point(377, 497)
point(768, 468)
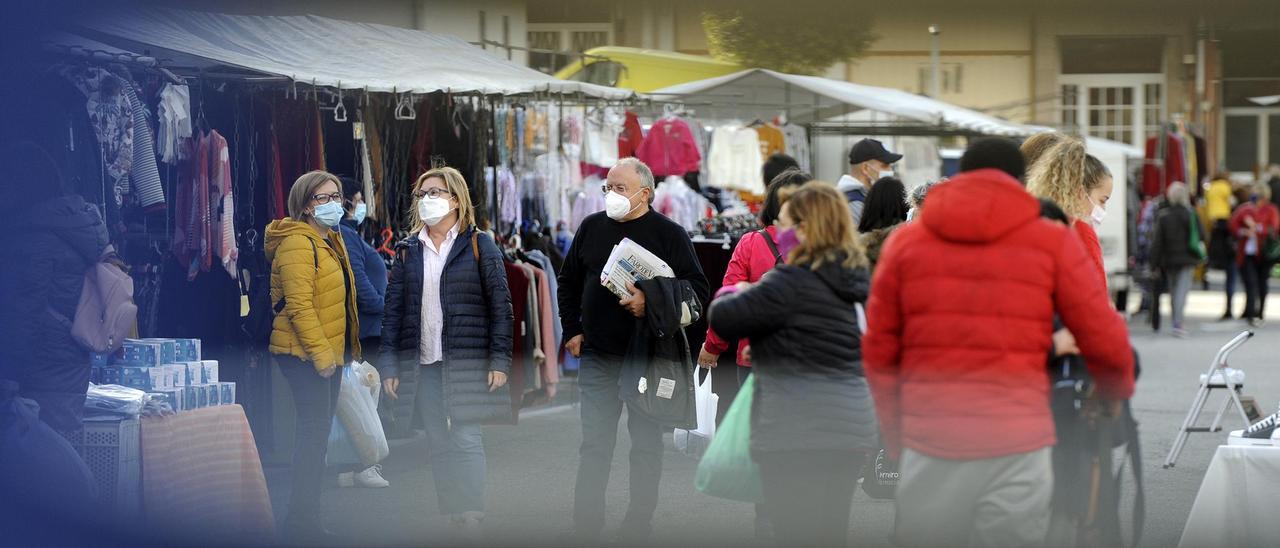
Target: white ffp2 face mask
point(617, 206)
point(433, 210)
point(1097, 216)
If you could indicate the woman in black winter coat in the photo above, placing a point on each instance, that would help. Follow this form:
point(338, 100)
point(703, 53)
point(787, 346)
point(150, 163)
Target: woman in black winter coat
point(50, 242)
point(812, 422)
point(448, 316)
point(1171, 250)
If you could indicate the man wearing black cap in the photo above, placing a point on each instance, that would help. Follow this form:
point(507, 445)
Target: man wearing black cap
point(868, 162)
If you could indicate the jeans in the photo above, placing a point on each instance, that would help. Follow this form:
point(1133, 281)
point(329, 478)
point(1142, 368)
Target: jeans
point(601, 410)
point(1001, 501)
point(1257, 275)
point(456, 451)
point(809, 494)
point(315, 398)
point(1179, 282)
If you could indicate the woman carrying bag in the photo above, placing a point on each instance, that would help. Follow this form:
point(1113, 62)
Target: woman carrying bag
point(448, 314)
point(812, 420)
point(315, 331)
point(1176, 249)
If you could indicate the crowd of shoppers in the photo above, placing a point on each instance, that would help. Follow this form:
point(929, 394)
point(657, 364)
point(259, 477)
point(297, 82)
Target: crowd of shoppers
point(871, 323)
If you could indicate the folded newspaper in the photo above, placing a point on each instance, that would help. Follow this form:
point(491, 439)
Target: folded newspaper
point(628, 263)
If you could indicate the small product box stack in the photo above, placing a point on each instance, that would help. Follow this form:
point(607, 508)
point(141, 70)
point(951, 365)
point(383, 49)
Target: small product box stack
point(169, 369)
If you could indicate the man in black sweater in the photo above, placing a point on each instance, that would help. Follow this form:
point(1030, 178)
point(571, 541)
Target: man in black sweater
point(598, 327)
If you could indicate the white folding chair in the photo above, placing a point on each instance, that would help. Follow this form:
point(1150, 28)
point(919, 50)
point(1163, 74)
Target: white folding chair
point(1218, 377)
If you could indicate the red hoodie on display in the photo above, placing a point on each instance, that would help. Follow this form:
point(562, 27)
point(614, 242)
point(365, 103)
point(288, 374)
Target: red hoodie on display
point(960, 322)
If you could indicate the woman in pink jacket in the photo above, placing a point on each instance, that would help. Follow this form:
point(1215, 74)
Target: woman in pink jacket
point(755, 255)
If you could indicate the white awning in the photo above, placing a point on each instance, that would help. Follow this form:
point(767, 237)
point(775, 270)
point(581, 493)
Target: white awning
point(330, 52)
point(762, 93)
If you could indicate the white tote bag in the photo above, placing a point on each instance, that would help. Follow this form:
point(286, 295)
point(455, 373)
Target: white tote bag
point(694, 442)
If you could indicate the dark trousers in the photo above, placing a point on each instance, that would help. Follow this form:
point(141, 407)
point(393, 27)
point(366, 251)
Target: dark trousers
point(315, 398)
point(601, 410)
point(1257, 275)
point(456, 451)
point(1233, 272)
point(809, 494)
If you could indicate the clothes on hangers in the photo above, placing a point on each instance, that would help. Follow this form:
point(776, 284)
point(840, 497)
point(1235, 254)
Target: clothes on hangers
point(797, 141)
point(174, 115)
point(600, 140)
point(366, 164)
point(144, 176)
point(222, 207)
point(1158, 172)
point(191, 225)
point(632, 136)
point(112, 120)
point(670, 149)
point(735, 160)
point(680, 203)
point(772, 141)
point(589, 200)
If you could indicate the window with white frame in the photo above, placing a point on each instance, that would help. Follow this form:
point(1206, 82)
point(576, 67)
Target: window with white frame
point(565, 37)
point(1121, 107)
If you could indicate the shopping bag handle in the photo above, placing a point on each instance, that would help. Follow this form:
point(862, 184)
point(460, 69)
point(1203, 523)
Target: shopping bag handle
point(698, 385)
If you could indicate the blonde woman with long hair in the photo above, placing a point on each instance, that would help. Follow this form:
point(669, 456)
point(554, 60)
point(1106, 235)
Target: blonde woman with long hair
point(1081, 185)
point(448, 322)
point(812, 421)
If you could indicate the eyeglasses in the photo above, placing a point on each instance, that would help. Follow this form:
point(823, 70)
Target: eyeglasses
point(620, 189)
point(431, 193)
point(322, 199)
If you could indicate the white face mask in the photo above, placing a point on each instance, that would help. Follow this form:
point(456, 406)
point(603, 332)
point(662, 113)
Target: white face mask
point(884, 174)
point(1097, 216)
point(433, 210)
point(361, 211)
point(617, 206)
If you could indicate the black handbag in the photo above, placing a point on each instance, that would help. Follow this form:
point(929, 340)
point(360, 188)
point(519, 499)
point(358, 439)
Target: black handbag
point(880, 477)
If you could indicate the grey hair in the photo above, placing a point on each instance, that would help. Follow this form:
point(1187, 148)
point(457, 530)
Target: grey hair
point(1179, 194)
point(642, 169)
point(919, 193)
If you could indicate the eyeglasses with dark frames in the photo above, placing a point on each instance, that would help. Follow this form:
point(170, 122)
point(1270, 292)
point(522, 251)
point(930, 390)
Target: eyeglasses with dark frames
point(431, 193)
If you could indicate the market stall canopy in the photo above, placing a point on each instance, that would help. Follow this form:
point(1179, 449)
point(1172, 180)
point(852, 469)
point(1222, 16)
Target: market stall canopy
point(330, 52)
point(762, 93)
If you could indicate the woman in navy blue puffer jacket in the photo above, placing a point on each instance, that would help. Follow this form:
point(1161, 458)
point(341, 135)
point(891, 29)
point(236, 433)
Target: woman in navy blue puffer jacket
point(448, 315)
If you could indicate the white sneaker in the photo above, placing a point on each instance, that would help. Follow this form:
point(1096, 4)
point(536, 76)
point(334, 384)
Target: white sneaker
point(371, 477)
point(469, 527)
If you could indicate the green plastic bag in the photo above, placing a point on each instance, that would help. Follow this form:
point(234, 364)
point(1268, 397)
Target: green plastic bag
point(726, 470)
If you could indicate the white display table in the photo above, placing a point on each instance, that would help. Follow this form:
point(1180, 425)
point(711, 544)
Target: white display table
point(1239, 501)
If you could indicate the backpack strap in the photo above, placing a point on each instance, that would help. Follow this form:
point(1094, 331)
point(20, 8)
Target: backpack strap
point(475, 250)
point(315, 258)
point(777, 257)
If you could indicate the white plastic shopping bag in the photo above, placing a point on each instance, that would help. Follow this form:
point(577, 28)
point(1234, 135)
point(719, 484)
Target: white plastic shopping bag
point(358, 412)
point(694, 442)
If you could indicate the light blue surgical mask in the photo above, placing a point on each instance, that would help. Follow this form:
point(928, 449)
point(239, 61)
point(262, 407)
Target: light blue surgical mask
point(330, 214)
point(362, 211)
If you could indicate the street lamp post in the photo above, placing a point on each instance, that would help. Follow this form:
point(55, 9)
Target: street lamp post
point(935, 86)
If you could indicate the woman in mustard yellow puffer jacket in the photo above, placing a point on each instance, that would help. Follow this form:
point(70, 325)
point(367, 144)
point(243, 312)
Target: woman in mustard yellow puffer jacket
point(316, 330)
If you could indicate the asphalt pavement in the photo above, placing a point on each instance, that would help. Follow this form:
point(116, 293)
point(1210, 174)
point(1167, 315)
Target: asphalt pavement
point(532, 466)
